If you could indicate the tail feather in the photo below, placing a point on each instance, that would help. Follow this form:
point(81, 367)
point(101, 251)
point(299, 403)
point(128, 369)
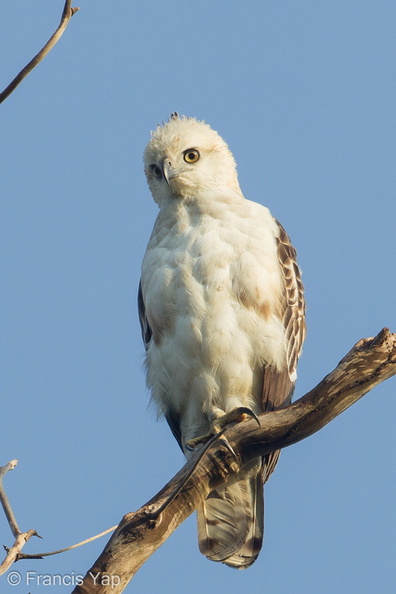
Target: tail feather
point(231, 522)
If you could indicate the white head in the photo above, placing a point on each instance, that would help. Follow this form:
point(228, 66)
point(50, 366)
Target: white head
point(186, 158)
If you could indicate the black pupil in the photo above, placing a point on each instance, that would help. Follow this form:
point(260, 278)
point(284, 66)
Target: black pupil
point(191, 156)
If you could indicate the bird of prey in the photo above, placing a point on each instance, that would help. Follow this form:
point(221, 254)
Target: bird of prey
point(222, 313)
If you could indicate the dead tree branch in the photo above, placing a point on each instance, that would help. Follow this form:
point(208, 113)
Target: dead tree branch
point(15, 552)
point(21, 538)
point(139, 534)
point(4, 499)
point(66, 16)
point(69, 548)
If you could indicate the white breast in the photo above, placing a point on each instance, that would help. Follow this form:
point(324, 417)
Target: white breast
point(211, 285)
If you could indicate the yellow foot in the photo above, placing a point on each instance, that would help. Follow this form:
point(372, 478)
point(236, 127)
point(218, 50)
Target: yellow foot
point(217, 427)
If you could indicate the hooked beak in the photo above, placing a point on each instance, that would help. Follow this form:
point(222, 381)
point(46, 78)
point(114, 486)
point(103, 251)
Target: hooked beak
point(167, 170)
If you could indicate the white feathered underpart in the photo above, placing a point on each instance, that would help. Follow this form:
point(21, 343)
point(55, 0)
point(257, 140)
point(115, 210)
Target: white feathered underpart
point(222, 313)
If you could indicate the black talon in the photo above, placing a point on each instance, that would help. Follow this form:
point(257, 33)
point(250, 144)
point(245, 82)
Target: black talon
point(224, 441)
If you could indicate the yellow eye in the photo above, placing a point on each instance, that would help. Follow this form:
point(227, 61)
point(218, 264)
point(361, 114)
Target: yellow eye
point(191, 155)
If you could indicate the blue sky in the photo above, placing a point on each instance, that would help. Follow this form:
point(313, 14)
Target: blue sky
point(304, 93)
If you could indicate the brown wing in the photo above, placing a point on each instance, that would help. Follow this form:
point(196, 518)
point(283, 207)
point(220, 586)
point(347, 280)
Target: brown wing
point(278, 386)
point(294, 303)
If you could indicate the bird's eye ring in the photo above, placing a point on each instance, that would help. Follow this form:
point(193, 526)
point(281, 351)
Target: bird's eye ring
point(191, 155)
point(156, 170)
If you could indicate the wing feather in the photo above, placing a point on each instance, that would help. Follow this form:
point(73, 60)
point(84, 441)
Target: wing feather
point(278, 386)
point(293, 314)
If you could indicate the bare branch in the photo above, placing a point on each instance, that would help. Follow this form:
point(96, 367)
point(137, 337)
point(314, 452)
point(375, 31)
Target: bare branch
point(14, 552)
point(4, 499)
point(79, 544)
point(139, 534)
point(66, 16)
point(21, 538)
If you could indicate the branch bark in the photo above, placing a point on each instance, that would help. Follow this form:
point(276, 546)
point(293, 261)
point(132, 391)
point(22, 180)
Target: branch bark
point(66, 16)
point(140, 533)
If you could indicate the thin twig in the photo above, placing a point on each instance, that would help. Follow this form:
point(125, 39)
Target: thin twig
point(66, 16)
point(4, 499)
point(14, 553)
point(21, 538)
point(79, 544)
